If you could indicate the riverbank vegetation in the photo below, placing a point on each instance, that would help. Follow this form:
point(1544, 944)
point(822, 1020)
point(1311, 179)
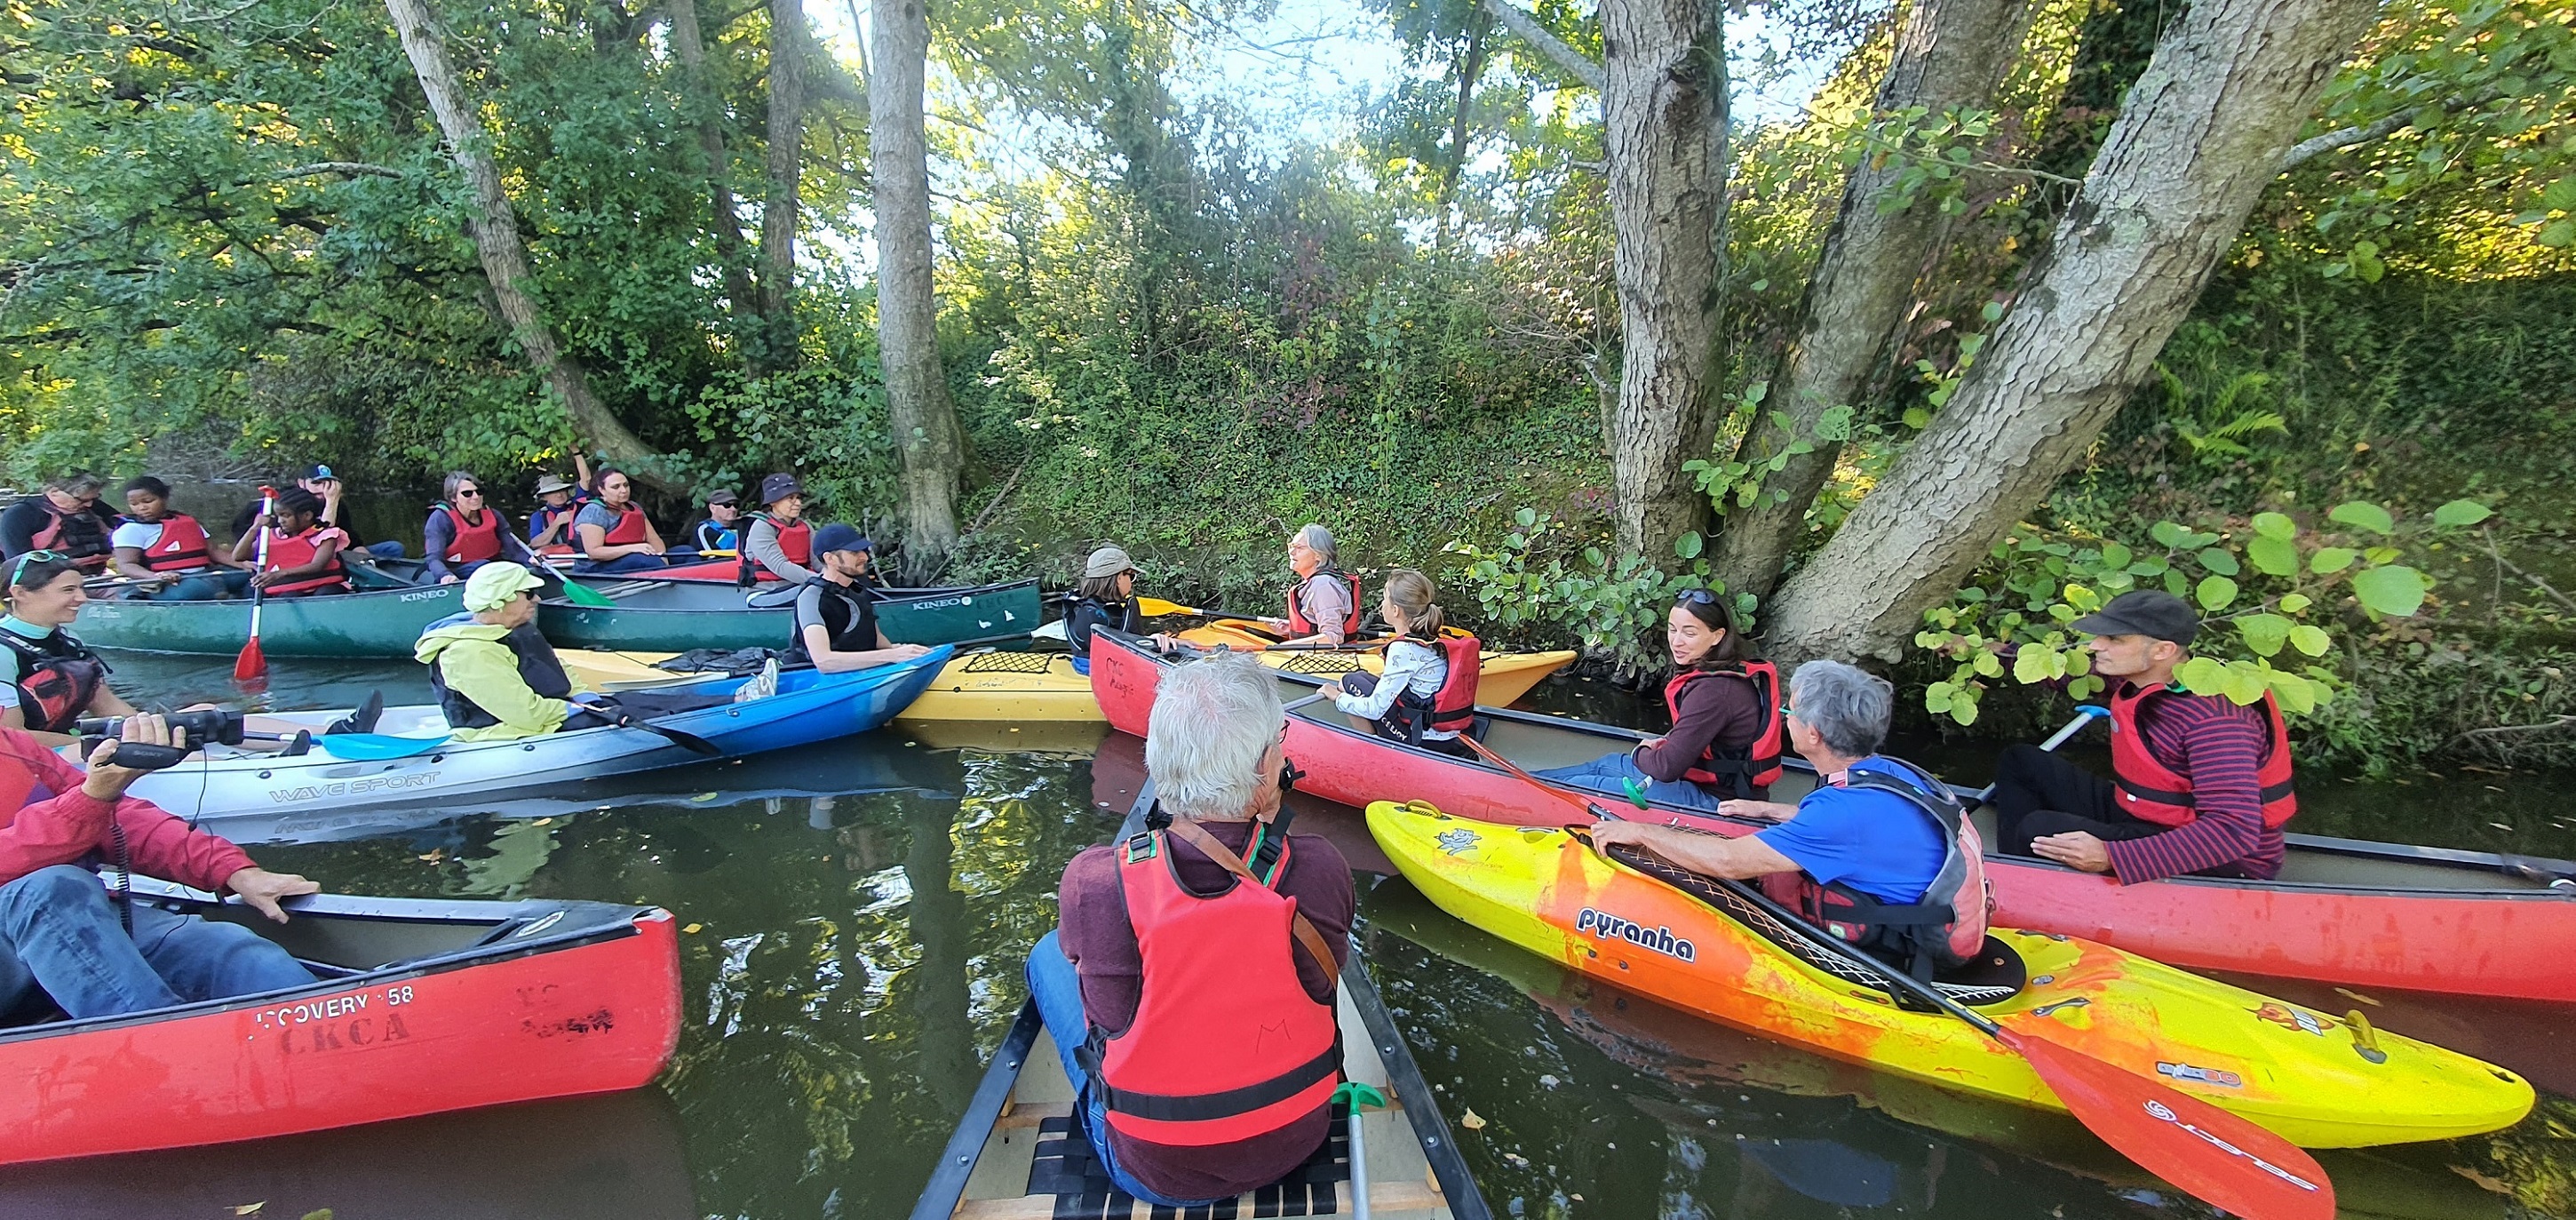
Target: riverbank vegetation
point(2025, 287)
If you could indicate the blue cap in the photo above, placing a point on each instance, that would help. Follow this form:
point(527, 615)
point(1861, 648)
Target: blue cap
point(839, 537)
point(320, 473)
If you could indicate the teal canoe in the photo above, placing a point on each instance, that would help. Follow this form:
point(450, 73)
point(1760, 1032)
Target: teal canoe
point(678, 615)
point(384, 619)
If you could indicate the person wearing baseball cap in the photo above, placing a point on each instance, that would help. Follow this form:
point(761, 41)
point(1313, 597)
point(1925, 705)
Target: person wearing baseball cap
point(715, 531)
point(2199, 784)
point(836, 616)
point(780, 543)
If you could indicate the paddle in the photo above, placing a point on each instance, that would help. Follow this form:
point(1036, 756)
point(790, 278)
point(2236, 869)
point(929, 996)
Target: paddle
point(250, 669)
point(577, 594)
point(691, 742)
point(1155, 607)
point(2084, 714)
point(2216, 1156)
point(370, 747)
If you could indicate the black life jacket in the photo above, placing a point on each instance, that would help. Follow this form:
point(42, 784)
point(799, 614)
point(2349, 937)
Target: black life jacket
point(538, 667)
point(861, 633)
point(57, 678)
point(79, 536)
point(1090, 612)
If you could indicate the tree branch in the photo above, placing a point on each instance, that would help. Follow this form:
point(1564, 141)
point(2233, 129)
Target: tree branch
point(1555, 48)
point(2346, 137)
point(351, 168)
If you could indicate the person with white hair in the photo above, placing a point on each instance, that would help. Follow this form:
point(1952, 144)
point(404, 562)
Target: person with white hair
point(1324, 604)
point(1880, 853)
point(1189, 985)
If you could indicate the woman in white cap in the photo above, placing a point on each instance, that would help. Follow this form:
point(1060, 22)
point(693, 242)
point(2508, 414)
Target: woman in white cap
point(1324, 605)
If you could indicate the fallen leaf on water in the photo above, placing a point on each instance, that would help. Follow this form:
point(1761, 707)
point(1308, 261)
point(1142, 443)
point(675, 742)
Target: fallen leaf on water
point(2482, 1179)
point(247, 1208)
point(2500, 826)
point(702, 798)
point(693, 928)
point(543, 822)
point(1471, 1122)
point(432, 857)
point(2350, 994)
point(319, 1213)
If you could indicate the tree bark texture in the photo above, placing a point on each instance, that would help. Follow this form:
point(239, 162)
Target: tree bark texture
point(1664, 128)
point(1949, 54)
point(790, 51)
point(725, 218)
point(924, 421)
point(2205, 129)
point(495, 230)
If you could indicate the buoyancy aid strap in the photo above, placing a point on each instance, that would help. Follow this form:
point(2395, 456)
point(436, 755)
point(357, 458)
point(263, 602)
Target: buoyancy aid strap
point(1189, 832)
point(1202, 1107)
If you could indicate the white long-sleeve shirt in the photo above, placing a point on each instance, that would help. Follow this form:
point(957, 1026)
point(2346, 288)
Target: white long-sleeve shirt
point(1410, 666)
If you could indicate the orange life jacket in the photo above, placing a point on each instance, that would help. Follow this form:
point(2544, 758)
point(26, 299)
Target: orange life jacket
point(57, 678)
point(474, 543)
point(629, 529)
point(2150, 791)
point(1943, 929)
point(1226, 1044)
point(1759, 765)
point(1452, 708)
point(287, 552)
point(1297, 622)
point(180, 548)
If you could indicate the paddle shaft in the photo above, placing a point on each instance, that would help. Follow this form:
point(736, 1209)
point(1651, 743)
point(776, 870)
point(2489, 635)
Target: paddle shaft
point(1359, 1166)
point(2084, 713)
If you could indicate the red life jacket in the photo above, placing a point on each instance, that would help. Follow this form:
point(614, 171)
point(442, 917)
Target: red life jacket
point(180, 548)
point(1226, 1044)
point(1947, 926)
point(57, 678)
point(78, 536)
point(294, 551)
point(629, 529)
point(474, 543)
point(1759, 765)
point(1451, 709)
point(795, 540)
point(1297, 621)
point(2151, 792)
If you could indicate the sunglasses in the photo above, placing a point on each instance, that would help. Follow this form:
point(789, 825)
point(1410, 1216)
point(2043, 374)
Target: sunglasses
point(1695, 597)
point(46, 556)
point(469, 493)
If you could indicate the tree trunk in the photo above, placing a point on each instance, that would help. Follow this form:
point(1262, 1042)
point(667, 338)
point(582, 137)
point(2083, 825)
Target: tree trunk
point(2204, 131)
point(725, 219)
point(924, 421)
point(1663, 106)
point(1471, 65)
point(496, 238)
point(789, 53)
point(1949, 54)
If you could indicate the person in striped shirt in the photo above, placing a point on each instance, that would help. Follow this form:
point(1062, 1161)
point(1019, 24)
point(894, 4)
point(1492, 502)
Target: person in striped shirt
point(2200, 786)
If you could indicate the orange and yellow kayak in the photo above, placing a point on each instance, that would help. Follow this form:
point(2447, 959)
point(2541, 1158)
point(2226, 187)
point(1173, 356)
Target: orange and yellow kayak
point(2317, 1080)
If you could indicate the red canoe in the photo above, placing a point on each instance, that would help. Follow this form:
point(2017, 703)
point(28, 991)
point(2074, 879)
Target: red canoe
point(427, 1006)
point(2343, 911)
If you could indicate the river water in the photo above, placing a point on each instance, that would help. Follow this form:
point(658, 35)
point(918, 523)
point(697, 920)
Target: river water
point(855, 922)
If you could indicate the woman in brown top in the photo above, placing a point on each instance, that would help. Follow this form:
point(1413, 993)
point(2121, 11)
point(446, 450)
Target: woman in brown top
point(1725, 739)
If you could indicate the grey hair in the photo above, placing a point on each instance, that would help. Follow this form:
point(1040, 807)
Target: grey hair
point(1319, 540)
point(1847, 706)
point(1213, 721)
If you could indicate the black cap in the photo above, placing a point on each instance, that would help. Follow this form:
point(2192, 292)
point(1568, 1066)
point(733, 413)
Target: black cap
point(2149, 612)
point(722, 497)
point(778, 487)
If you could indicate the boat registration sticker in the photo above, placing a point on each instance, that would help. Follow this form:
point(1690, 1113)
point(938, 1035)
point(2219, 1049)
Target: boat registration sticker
point(2185, 1071)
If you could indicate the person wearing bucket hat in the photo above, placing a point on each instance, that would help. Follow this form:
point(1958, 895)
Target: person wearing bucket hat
point(1106, 597)
point(2199, 783)
point(557, 502)
point(497, 678)
point(836, 617)
point(780, 543)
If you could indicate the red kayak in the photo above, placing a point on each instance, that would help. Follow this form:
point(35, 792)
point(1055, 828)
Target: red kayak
point(2344, 911)
point(427, 1006)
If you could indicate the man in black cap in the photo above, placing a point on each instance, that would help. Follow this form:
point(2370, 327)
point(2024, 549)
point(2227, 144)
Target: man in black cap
point(836, 617)
point(2200, 784)
point(780, 540)
point(716, 530)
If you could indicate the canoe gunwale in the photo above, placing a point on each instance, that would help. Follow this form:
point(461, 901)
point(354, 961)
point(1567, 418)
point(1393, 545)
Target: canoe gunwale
point(615, 921)
point(947, 1185)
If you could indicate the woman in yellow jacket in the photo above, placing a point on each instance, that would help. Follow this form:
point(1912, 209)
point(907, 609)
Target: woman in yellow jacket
point(497, 678)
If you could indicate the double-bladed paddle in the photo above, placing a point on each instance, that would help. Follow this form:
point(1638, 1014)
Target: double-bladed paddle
point(2218, 1157)
point(373, 746)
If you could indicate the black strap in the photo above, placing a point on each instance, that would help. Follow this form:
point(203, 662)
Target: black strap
point(1204, 1107)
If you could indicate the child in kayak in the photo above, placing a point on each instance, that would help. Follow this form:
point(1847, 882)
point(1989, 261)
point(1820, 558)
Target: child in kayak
point(1427, 696)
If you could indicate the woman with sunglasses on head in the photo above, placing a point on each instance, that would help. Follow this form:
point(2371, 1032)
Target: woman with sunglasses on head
point(1725, 741)
point(51, 679)
point(464, 532)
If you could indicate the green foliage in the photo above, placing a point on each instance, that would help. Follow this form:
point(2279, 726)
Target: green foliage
point(1544, 573)
point(2273, 597)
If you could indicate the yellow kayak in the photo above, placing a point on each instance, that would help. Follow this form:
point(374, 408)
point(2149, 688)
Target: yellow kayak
point(1502, 678)
point(2317, 1080)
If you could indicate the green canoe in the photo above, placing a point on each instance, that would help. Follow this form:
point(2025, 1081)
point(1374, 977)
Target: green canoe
point(678, 615)
point(384, 620)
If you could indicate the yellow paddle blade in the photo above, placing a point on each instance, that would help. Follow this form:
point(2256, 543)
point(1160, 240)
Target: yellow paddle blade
point(1155, 607)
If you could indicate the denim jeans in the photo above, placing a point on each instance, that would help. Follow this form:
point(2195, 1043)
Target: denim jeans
point(385, 550)
point(1604, 775)
point(1058, 991)
point(204, 586)
point(59, 931)
point(624, 563)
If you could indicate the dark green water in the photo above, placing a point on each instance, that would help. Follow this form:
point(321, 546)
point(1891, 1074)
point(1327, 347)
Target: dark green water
point(856, 925)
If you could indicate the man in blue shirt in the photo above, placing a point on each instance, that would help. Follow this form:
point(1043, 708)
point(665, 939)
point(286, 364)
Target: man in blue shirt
point(1873, 841)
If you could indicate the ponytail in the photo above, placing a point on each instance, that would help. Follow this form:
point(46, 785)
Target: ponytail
point(1411, 592)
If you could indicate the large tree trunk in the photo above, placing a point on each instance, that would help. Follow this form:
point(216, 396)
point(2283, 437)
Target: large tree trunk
point(790, 51)
point(724, 218)
point(1949, 54)
point(496, 238)
point(924, 421)
point(1663, 105)
point(2204, 131)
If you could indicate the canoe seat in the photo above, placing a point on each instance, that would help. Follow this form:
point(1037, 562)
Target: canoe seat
point(1066, 1167)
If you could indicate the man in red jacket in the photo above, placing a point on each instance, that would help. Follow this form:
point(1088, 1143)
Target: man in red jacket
point(59, 930)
